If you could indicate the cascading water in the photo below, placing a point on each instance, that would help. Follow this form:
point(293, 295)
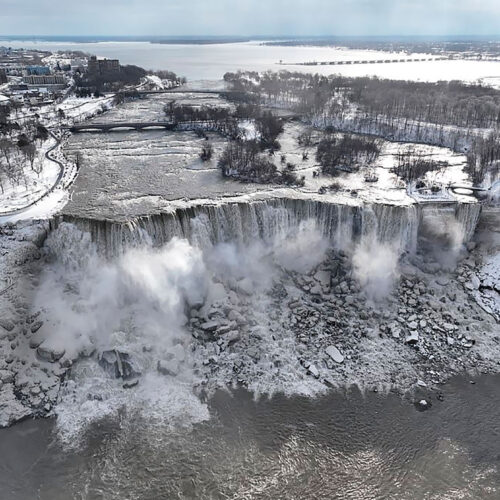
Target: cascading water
point(142, 284)
point(341, 225)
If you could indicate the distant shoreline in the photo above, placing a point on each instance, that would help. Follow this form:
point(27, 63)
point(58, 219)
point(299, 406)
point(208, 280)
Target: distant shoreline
point(290, 40)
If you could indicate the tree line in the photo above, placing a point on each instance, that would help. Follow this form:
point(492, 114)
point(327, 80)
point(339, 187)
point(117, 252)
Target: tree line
point(452, 114)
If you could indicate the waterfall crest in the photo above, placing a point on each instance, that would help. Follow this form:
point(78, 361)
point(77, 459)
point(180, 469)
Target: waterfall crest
point(243, 222)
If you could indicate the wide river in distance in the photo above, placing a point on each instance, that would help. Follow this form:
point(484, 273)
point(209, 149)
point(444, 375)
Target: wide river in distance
point(212, 61)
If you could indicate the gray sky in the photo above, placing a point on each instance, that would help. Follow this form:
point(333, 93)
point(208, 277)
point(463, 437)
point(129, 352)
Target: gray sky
point(249, 17)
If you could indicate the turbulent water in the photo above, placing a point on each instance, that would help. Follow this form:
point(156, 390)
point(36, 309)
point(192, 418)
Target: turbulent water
point(340, 446)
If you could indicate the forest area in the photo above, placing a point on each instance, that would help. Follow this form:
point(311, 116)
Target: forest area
point(20, 150)
point(463, 117)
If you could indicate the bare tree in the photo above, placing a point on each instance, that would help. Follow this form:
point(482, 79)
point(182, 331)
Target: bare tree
point(29, 150)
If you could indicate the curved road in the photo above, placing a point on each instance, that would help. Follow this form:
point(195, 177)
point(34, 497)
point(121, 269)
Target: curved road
point(18, 211)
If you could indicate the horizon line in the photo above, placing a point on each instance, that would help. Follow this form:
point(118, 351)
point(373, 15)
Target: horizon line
point(202, 36)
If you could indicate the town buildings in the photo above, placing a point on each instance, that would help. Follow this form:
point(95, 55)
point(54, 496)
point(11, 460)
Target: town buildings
point(44, 80)
point(101, 66)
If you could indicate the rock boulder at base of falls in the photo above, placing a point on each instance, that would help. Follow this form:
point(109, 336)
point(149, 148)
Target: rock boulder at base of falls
point(6, 324)
point(474, 281)
point(209, 326)
point(335, 354)
point(49, 353)
point(236, 316)
point(423, 405)
point(170, 367)
point(117, 364)
point(6, 376)
point(412, 338)
point(245, 286)
point(324, 278)
point(11, 409)
point(130, 383)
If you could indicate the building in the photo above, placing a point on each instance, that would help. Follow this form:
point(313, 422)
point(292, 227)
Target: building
point(38, 70)
point(41, 80)
point(3, 76)
point(78, 64)
point(101, 66)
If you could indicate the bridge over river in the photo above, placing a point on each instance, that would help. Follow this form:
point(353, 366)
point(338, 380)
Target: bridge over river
point(341, 62)
point(107, 127)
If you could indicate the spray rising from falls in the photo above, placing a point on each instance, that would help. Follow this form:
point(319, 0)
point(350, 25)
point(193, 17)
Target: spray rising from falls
point(125, 297)
point(130, 316)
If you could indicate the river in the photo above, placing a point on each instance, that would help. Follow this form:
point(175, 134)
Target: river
point(210, 62)
point(342, 445)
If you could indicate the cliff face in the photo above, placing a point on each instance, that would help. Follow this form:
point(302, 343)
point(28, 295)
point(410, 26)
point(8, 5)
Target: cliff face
point(342, 225)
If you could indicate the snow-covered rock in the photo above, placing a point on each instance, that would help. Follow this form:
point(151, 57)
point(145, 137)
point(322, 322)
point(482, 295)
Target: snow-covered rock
point(334, 353)
point(412, 338)
point(312, 370)
point(170, 367)
point(49, 353)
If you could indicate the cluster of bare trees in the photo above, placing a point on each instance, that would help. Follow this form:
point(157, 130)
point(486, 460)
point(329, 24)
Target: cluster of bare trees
point(412, 166)
point(243, 160)
point(19, 153)
point(216, 119)
point(347, 153)
point(444, 114)
point(110, 81)
point(443, 103)
point(207, 151)
point(225, 121)
point(484, 157)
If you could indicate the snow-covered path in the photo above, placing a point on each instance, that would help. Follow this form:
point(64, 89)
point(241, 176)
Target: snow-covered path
point(48, 202)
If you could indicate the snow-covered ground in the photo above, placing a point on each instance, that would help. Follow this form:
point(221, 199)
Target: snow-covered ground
point(51, 162)
point(19, 196)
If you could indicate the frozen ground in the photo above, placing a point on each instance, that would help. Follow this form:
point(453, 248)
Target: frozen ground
point(15, 197)
point(129, 174)
point(44, 193)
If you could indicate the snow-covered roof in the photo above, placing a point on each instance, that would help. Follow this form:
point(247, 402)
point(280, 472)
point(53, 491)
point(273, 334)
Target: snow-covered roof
point(4, 98)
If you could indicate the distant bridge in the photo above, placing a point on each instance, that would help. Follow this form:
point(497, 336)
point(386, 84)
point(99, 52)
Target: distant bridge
point(108, 127)
point(373, 61)
point(177, 90)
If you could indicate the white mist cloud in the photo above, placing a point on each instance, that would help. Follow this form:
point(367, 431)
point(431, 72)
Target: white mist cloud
point(86, 305)
point(375, 267)
point(303, 250)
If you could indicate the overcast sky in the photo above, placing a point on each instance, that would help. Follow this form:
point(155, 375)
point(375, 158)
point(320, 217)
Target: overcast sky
point(249, 17)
